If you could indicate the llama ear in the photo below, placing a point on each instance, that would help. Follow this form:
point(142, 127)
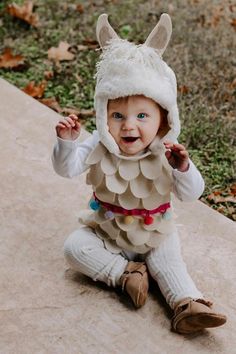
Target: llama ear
point(160, 35)
point(104, 31)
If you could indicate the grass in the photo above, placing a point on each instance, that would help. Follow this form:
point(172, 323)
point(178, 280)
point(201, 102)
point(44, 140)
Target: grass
point(200, 52)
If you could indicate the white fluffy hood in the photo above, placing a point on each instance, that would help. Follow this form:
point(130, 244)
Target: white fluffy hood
point(126, 69)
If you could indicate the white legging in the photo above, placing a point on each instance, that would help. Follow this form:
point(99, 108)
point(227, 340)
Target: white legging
point(86, 253)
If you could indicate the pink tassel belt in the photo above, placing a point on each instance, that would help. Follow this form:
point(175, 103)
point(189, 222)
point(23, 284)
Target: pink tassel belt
point(117, 209)
point(96, 203)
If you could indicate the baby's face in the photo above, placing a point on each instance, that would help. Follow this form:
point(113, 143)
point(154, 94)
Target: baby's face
point(133, 122)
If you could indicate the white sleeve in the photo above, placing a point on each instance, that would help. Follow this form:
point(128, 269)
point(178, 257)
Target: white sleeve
point(189, 185)
point(68, 157)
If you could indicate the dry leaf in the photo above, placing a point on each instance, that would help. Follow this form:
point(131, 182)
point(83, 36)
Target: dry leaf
point(48, 75)
point(35, 91)
point(68, 111)
point(183, 89)
point(233, 22)
point(80, 8)
point(51, 103)
point(9, 60)
point(61, 53)
point(24, 12)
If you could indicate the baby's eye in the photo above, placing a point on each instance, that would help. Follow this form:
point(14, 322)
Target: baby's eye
point(117, 115)
point(142, 115)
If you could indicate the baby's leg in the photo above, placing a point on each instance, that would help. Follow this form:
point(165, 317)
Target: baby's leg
point(85, 252)
point(167, 267)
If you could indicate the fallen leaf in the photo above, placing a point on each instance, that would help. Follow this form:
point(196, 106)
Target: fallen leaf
point(35, 91)
point(233, 22)
point(61, 53)
point(48, 75)
point(80, 8)
point(51, 103)
point(183, 89)
point(83, 113)
point(9, 60)
point(24, 12)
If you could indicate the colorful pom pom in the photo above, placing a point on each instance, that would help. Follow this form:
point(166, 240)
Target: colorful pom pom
point(148, 220)
point(128, 219)
point(94, 205)
point(166, 215)
point(109, 215)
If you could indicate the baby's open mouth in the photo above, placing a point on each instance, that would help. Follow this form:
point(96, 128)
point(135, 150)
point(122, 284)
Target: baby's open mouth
point(130, 139)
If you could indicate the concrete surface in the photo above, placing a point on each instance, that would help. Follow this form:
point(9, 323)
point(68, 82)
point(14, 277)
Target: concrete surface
point(47, 308)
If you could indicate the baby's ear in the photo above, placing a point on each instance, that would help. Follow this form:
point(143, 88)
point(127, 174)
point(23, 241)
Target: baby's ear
point(160, 35)
point(104, 31)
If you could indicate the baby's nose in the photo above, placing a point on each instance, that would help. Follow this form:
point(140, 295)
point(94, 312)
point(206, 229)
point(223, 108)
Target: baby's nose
point(129, 124)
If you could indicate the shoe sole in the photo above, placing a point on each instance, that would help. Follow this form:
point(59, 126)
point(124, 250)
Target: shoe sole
point(198, 322)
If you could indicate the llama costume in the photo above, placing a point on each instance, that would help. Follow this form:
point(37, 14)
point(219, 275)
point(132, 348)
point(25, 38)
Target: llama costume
point(131, 194)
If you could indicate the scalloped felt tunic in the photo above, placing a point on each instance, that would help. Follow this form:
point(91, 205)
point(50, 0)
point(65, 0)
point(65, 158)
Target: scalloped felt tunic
point(135, 182)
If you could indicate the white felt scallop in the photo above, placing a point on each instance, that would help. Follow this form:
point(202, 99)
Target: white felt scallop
point(154, 200)
point(116, 184)
point(127, 200)
point(119, 219)
point(138, 236)
point(155, 239)
point(96, 175)
point(123, 242)
point(109, 244)
point(151, 167)
point(165, 226)
point(104, 194)
point(141, 187)
point(129, 169)
point(110, 227)
point(163, 184)
point(109, 164)
point(96, 154)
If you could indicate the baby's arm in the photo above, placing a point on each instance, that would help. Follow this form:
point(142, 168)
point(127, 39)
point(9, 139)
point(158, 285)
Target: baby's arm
point(188, 182)
point(69, 154)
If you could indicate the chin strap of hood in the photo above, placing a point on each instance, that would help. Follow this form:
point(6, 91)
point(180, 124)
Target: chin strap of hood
point(126, 69)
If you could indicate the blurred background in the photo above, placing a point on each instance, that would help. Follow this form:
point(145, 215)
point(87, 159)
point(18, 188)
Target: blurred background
point(49, 50)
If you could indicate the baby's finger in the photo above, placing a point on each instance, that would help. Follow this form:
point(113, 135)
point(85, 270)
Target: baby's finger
point(70, 121)
point(179, 147)
point(60, 125)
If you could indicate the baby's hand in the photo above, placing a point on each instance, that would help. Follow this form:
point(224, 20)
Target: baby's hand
point(68, 128)
point(177, 156)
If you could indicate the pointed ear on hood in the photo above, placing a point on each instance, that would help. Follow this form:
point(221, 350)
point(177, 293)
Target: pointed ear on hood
point(160, 35)
point(104, 31)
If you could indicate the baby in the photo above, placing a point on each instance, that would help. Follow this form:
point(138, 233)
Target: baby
point(134, 162)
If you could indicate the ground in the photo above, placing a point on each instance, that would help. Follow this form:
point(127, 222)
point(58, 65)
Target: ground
point(200, 52)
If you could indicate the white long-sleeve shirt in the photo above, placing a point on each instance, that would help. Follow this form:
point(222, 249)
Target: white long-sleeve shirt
point(69, 158)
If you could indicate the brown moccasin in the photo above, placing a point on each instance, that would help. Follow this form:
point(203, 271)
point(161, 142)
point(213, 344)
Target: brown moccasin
point(134, 281)
point(191, 316)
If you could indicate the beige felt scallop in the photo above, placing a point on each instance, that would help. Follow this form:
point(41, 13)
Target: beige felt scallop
point(154, 200)
point(157, 220)
point(151, 167)
point(86, 217)
point(96, 154)
point(129, 169)
point(109, 164)
point(123, 242)
point(155, 239)
point(109, 244)
point(127, 200)
point(119, 219)
point(116, 184)
point(110, 227)
point(141, 249)
point(96, 175)
point(141, 187)
point(138, 236)
point(165, 226)
point(104, 194)
point(99, 217)
point(163, 183)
